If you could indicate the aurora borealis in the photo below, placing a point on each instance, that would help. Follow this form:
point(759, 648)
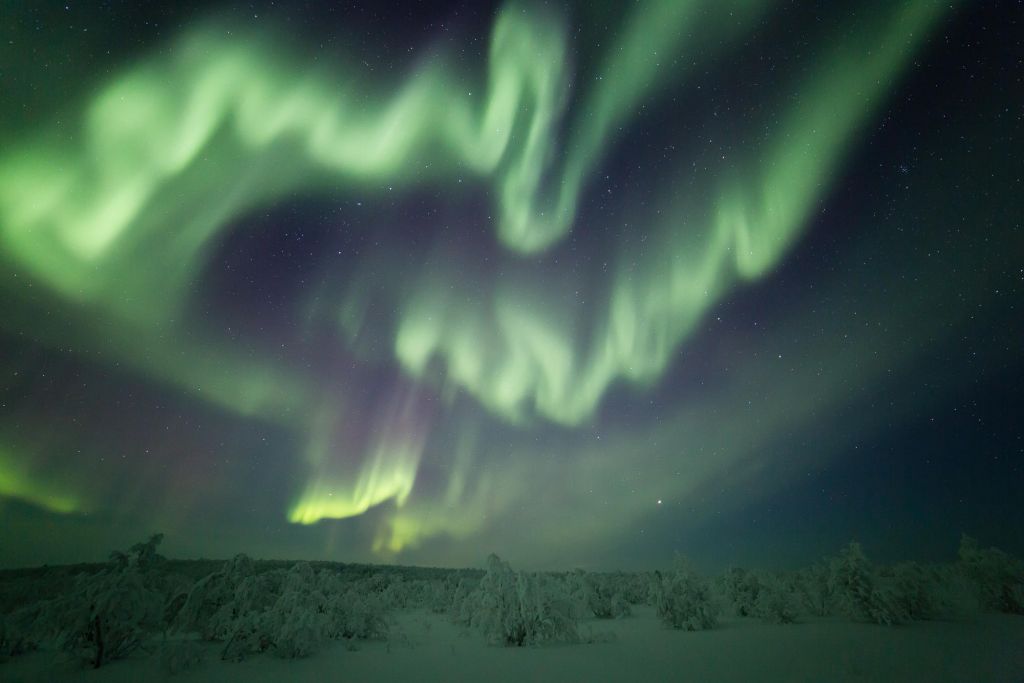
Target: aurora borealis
point(587, 285)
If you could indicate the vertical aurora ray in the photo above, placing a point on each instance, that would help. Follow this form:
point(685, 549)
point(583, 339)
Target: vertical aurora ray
point(345, 482)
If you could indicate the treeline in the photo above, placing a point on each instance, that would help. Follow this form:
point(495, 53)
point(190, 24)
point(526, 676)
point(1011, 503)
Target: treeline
point(141, 602)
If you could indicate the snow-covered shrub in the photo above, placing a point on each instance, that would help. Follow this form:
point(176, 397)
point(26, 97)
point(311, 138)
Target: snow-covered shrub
point(301, 612)
point(955, 594)
point(684, 600)
point(917, 590)
point(173, 606)
point(31, 626)
point(100, 616)
point(284, 613)
point(4, 638)
point(299, 635)
point(597, 594)
point(636, 588)
point(208, 595)
point(141, 555)
point(998, 577)
point(176, 656)
point(856, 592)
point(287, 613)
point(354, 614)
point(250, 633)
point(402, 593)
point(252, 595)
point(620, 607)
point(813, 589)
point(520, 608)
point(776, 601)
point(110, 616)
point(740, 587)
point(12, 639)
point(14, 636)
point(930, 591)
point(464, 602)
point(144, 555)
point(441, 595)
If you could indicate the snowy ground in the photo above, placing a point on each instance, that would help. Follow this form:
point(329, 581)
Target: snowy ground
point(427, 647)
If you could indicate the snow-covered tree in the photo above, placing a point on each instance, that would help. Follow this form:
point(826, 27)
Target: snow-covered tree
point(179, 655)
point(917, 590)
point(684, 599)
point(814, 590)
point(284, 613)
point(635, 587)
point(598, 595)
point(356, 614)
point(288, 613)
point(855, 591)
point(740, 588)
point(104, 615)
point(111, 617)
point(464, 601)
point(520, 608)
point(209, 594)
point(776, 601)
point(997, 576)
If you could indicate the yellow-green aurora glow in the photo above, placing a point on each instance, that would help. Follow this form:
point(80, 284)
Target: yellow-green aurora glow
point(20, 480)
point(114, 215)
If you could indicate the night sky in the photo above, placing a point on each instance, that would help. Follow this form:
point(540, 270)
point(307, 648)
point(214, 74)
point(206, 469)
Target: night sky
point(586, 285)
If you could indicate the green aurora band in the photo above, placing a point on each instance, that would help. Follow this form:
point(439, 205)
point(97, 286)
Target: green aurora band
point(119, 217)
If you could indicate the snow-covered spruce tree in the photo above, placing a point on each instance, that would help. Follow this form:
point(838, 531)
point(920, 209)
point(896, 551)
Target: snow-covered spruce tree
point(442, 594)
point(856, 592)
point(814, 590)
point(634, 587)
point(109, 614)
point(684, 600)
point(997, 576)
point(776, 600)
point(740, 588)
point(464, 601)
point(916, 589)
point(519, 608)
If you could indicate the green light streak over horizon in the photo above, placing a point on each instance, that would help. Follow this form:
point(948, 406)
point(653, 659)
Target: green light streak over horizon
point(21, 481)
point(347, 487)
